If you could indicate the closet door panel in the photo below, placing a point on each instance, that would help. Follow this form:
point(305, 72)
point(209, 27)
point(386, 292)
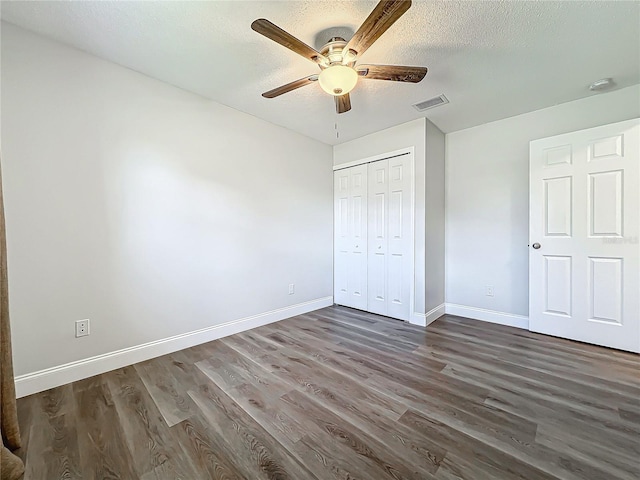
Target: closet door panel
point(358, 249)
point(378, 177)
point(396, 285)
point(350, 237)
point(341, 237)
point(399, 271)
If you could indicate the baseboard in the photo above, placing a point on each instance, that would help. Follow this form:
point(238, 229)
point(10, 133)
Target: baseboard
point(424, 319)
point(509, 319)
point(60, 375)
point(435, 313)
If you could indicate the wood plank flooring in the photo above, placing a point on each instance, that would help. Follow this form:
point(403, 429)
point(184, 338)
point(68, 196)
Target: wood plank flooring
point(343, 394)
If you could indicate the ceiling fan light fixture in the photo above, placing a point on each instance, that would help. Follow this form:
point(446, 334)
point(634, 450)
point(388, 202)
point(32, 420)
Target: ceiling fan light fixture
point(338, 80)
point(338, 58)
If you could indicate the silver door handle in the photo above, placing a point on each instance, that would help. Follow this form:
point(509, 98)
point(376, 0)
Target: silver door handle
point(536, 246)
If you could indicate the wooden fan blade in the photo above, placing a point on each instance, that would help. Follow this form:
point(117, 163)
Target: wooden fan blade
point(395, 73)
point(379, 20)
point(343, 103)
point(278, 35)
point(290, 86)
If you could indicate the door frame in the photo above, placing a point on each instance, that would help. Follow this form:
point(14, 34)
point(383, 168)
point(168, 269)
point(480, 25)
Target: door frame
point(414, 317)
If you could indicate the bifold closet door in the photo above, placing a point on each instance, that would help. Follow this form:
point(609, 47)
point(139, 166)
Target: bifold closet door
point(389, 241)
point(350, 237)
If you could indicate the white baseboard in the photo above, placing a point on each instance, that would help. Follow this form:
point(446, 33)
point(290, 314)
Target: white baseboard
point(424, 319)
point(435, 313)
point(509, 319)
point(60, 375)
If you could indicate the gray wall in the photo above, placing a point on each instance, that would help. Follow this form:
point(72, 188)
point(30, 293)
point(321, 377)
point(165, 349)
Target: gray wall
point(147, 209)
point(488, 197)
point(435, 217)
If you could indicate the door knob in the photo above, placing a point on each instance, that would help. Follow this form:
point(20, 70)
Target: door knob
point(536, 246)
point(379, 247)
point(357, 246)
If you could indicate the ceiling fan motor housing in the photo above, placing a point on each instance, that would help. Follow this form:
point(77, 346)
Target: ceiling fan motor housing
point(333, 49)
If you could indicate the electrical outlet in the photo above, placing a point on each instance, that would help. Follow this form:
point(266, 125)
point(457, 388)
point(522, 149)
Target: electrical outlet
point(82, 328)
point(292, 288)
point(489, 290)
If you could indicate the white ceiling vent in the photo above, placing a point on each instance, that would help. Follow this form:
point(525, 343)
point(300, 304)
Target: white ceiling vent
point(432, 102)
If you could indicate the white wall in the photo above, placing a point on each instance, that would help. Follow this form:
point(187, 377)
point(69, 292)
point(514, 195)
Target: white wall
point(147, 209)
point(410, 134)
point(487, 196)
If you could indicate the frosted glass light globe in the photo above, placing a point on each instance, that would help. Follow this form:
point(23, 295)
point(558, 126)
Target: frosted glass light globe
point(338, 79)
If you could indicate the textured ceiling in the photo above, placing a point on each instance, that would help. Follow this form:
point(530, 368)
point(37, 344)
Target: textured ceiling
point(491, 59)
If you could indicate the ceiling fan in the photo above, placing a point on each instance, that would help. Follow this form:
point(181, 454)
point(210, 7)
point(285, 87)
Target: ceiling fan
point(337, 59)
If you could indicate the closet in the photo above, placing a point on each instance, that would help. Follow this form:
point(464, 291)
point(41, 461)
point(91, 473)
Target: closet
point(373, 259)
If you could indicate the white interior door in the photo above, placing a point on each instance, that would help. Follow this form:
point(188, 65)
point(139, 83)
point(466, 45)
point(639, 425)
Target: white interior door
point(584, 262)
point(350, 237)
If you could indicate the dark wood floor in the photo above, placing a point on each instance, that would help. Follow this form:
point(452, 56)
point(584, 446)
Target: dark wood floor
point(341, 394)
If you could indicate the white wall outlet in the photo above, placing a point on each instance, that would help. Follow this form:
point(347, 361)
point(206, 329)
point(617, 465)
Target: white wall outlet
point(82, 328)
point(489, 290)
point(292, 288)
